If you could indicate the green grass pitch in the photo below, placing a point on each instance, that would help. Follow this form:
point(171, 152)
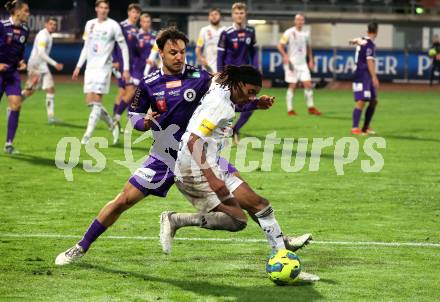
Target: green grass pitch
point(42, 214)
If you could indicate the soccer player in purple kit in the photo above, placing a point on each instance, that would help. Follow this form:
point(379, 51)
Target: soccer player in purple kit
point(365, 81)
point(236, 46)
point(146, 39)
point(172, 93)
point(130, 31)
point(13, 36)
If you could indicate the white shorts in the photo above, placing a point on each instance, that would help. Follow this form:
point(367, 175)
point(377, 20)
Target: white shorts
point(97, 80)
point(45, 80)
point(195, 187)
point(299, 74)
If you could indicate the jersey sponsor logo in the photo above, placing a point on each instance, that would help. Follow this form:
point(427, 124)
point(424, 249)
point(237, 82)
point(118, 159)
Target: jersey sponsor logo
point(160, 93)
point(206, 127)
point(161, 104)
point(189, 95)
point(175, 92)
point(173, 84)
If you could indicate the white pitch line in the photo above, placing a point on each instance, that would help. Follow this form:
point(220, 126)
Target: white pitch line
point(231, 240)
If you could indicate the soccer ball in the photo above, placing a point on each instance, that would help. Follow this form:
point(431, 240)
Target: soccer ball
point(283, 267)
point(432, 52)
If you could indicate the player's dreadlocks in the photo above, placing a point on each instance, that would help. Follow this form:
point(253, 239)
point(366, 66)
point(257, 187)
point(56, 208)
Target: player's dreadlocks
point(233, 76)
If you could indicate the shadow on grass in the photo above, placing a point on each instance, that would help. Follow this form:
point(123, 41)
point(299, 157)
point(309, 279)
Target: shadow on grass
point(32, 159)
point(69, 125)
point(270, 292)
point(412, 138)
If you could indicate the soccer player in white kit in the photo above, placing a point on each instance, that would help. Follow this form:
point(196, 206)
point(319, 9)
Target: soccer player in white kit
point(39, 74)
point(206, 49)
point(214, 192)
point(296, 68)
point(100, 35)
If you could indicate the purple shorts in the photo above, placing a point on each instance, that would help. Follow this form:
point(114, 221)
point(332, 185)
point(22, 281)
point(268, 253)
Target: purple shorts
point(10, 83)
point(156, 178)
point(364, 90)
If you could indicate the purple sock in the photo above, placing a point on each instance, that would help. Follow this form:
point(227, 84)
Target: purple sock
point(368, 116)
point(121, 107)
point(12, 125)
point(94, 231)
point(244, 117)
point(356, 117)
point(115, 107)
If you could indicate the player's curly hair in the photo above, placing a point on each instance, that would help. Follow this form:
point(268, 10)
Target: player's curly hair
point(13, 5)
point(170, 33)
point(232, 76)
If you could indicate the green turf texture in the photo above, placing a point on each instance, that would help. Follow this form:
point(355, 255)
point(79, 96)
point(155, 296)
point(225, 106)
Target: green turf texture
point(398, 204)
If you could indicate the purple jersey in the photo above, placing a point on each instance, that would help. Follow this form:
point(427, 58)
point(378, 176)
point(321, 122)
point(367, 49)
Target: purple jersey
point(175, 97)
point(12, 43)
point(237, 47)
point(130, 33)
point(363, 54)
point(145, 42)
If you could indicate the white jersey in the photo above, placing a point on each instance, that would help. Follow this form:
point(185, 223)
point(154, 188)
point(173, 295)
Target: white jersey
point(39, 57)
point(208, 39)
point(212, 121)
point(297, 42)
point(99, 42)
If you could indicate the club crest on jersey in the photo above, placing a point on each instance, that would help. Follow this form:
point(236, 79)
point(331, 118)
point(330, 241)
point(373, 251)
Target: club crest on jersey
point(248, 40)
point(189, 95)
point(22, 39)
point(173, 84)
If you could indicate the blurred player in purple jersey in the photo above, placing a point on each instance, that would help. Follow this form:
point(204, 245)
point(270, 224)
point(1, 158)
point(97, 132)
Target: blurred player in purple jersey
point(146, 41)
point(365, 81)
point(13, 36)
point(126, 88)
point(236, 46)
point(172, 93)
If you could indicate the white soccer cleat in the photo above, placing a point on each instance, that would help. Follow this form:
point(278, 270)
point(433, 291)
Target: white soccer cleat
point(295, 243)
point(85, 140)
point(167, 231)
point(115, 132)
point(71, 255)
point(307, 277)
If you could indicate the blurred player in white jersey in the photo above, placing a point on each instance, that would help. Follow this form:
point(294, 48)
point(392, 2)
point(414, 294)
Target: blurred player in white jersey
point(296, 68)
point(39, 74)
point(100, 35)
point(206, 49)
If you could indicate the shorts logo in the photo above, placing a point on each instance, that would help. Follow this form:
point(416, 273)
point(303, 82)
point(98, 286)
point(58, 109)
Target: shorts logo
point(358, 87)
point(367, 94)
point(189, 95)
point(173, 84)
point(206, 127)
point(146, 174)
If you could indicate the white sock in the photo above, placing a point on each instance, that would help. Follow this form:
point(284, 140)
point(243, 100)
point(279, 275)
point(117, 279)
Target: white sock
point(308, 94)
point(50, 98)
point(106, 117)
point(289, 99)
point(117, 117)
point(23, 97)
point(94, 117)
point(271, 228)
